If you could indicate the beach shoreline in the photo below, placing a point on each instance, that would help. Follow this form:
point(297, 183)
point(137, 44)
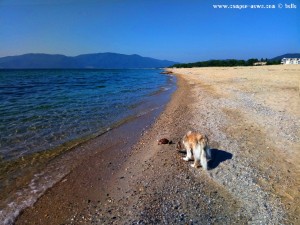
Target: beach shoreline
point(41, 171)
point(251, 180)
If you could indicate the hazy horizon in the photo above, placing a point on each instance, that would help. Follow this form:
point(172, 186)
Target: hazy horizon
point(181, 31)
point(152, 57)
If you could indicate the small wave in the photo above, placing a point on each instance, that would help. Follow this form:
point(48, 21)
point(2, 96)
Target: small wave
point(101, 86)
point(127, 91)
point(81, 85)
point(159, 91)
point(148, 111)
point(27, 197)
point(166, 88)
point(54, 172)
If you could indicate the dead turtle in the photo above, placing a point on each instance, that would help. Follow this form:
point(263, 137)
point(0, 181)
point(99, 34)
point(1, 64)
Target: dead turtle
point(164, 141)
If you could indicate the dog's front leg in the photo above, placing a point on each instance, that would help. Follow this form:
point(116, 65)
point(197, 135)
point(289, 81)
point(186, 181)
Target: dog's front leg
point(189, 155)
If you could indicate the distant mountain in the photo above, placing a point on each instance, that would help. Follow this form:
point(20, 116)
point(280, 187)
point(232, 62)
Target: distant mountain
point(97, 61)
point(289, 55)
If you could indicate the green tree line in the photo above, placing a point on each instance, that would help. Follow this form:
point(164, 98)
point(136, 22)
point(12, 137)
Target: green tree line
point(229, 62)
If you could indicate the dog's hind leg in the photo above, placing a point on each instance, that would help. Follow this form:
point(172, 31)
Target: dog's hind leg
point(197, 152)
point(203, 159)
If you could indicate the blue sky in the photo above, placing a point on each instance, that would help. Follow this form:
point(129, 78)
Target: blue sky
point(179, 30)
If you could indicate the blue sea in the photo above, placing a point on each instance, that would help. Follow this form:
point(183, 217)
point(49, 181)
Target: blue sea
point(42, 109)
point(45, 113)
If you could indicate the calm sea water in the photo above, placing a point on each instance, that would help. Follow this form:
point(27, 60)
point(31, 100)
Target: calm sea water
point(42, 109)
point(43, 113)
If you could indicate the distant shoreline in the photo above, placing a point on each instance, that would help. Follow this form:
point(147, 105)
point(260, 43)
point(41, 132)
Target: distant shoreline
point(85, 61)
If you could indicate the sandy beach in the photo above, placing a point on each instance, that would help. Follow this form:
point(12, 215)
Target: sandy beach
point(251, 116)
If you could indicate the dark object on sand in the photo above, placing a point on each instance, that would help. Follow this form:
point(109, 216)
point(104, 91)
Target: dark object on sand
point(166, 72)
point(164, 141)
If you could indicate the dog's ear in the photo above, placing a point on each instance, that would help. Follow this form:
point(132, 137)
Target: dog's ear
point(178, 146)
point(189, 132)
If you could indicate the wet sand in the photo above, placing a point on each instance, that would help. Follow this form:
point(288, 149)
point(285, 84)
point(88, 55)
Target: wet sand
point(251, 116)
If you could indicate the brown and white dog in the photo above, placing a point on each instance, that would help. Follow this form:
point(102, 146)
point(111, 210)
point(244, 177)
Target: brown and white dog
point(197, 149)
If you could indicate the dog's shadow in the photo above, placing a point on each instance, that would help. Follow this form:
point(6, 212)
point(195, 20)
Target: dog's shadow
point(218, 156)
